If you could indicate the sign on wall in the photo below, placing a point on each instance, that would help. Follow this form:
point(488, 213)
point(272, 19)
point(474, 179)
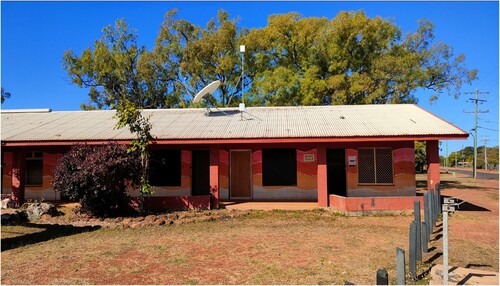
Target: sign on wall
point(352, 160)
point(308, 157)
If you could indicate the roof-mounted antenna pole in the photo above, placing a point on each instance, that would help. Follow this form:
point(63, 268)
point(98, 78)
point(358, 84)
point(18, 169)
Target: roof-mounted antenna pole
point(242, 104)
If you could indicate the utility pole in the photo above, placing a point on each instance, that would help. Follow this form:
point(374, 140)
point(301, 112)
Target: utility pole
point(485, 141)
point(476, 100)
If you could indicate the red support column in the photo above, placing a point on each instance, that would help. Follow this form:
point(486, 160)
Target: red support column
point(18, 177)
point(322, 177)
point(214, 175)
point(432, 153)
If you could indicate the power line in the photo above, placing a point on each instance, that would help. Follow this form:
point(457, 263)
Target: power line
point(487, 128)
point(488, 75)
point(488, 121)
point(476, 111)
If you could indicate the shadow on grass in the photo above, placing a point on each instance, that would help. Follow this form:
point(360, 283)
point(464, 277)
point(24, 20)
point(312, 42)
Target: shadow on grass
point(437, 237)
point(471, 265)
point(433, 258)
point(466, 206)
point(51, 231)
point(425, 273)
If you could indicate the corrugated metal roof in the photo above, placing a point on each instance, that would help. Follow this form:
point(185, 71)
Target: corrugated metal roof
point(226, 123)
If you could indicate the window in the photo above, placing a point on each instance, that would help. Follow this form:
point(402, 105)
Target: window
point(34, 168)
point(279, 167)
point(165, 168)
point(375, 166)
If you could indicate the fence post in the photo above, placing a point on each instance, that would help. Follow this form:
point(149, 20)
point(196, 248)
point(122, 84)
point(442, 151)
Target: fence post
point(382, 277)
point(433, 208)
point(412, 258)
point(416, 215)
point(436, 214)
point(438, 190)
point(445, 247)
point(400, 267)
point(425, 238)
point(429, 209)
point(426, 211)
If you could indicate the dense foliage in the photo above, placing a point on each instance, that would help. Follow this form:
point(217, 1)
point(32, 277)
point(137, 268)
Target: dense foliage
point(97, 177)
point(420, 157)
point(294, 60)
point(466, 155)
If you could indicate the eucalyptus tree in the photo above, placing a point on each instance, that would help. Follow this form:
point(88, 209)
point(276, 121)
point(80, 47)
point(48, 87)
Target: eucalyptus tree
point(350, 59)
point(293, 60)
point(116, 67)
point(206, 54)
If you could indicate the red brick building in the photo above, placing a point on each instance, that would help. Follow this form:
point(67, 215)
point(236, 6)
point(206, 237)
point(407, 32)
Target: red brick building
point(354, 158)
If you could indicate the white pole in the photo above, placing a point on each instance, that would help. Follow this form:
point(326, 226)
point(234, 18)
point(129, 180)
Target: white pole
point(242, 52)
point(445, 244)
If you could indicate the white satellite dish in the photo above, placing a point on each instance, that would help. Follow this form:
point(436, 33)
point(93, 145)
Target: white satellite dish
point(209, 89)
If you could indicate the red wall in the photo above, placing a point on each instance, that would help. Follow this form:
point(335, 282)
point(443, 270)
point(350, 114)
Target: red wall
point(177, 203)
point(374, 204)
point(33, 192)
point(307, 179)
point(403, 155)
point(306, 174)
point(6, 172)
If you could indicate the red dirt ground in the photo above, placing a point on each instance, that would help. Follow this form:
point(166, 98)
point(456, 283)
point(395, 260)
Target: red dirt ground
point(259, 247)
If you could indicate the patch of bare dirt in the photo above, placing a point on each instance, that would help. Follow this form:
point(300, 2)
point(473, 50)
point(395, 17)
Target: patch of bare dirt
point(251, 247)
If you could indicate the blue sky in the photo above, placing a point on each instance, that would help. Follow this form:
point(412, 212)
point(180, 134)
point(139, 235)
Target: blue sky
point(34, 36)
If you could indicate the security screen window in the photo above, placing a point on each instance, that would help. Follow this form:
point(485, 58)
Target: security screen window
point(279, 167)
point(34, 169)
point(375, 166)
point(165, 168)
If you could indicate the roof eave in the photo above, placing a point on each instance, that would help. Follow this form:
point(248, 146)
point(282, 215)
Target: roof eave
point(245, 140)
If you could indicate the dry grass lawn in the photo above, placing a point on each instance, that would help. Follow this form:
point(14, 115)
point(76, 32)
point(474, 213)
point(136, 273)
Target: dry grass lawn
point(263, 247)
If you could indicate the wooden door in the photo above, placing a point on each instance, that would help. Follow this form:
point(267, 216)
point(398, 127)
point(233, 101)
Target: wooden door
point(240, 177)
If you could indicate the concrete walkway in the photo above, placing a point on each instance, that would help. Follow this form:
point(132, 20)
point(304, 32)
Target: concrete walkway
point(463, 276)
point(230, 205)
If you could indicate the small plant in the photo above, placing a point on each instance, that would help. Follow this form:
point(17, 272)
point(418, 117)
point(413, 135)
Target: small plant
point(97, 177)
point(36, 201)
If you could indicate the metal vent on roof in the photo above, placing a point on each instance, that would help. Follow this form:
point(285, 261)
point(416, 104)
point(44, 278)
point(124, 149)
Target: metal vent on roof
point(33, 110)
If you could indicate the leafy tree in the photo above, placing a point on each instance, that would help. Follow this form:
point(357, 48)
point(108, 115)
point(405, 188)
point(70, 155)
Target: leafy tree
point(467, 155)
point(294, 60)
point(124, 76)
point(185, 58)
point(351, 59)
point(492, 154)
point(480, 157)
point(420, 157)
point(97, 177)
point(116, 67)
point(286, 64)
point(203, 54)
point(5, 95)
